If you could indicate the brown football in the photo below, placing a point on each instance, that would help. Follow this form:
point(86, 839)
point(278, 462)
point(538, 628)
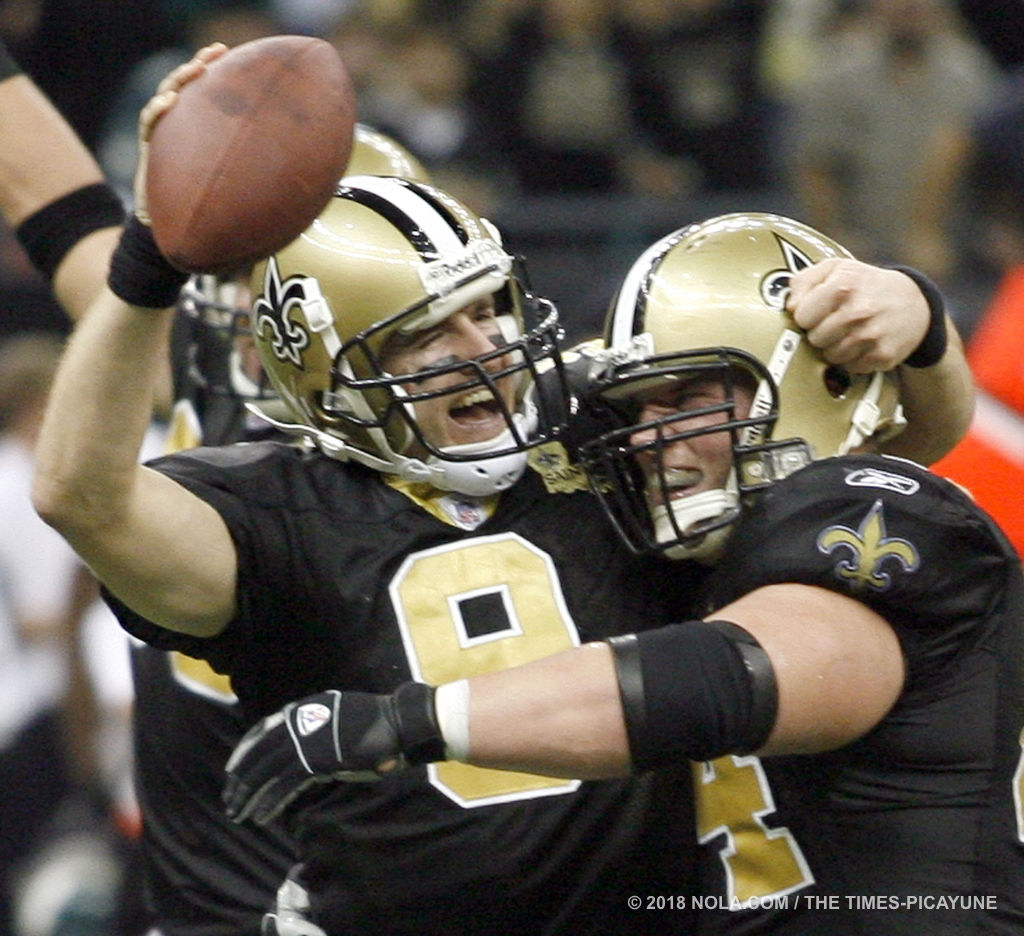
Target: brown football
point(250, 153)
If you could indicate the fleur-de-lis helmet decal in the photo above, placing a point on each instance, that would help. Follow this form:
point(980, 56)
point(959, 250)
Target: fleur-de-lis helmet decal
point(273, 323)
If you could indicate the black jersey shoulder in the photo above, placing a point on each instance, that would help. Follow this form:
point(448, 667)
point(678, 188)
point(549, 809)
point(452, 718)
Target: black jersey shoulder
point(885, 531)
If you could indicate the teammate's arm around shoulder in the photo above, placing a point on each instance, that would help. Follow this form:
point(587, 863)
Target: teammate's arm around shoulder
point(938, 401)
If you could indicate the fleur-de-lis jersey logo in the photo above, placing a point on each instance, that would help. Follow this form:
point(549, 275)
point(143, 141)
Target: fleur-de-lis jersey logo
point(870, 549)
point(561, 475)
point(272, 315)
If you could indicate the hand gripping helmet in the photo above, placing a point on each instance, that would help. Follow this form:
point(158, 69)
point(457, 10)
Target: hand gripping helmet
point(708, 301)
point(390, 257)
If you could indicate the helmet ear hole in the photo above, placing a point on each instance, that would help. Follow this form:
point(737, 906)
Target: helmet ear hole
point(837, 381)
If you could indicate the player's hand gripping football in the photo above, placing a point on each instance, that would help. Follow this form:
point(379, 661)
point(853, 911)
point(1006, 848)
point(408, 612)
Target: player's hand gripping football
point(329, 736)
point(163, 100)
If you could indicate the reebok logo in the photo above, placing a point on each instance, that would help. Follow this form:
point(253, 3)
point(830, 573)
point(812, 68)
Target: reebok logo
point(311, 717)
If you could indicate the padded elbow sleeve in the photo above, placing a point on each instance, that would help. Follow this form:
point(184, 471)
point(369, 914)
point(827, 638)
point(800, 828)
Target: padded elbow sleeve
point(694, 691)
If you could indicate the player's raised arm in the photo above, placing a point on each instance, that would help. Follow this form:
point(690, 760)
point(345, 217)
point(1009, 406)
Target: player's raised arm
point(162, 550)
point(158, 547)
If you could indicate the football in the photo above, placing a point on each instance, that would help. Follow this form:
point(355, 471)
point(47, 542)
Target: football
point(250, 153)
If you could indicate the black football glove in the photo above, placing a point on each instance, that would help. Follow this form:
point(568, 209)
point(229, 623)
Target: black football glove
point(329, 736)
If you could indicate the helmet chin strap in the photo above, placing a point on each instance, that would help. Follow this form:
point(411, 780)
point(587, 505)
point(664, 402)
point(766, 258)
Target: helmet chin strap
point(866, 416)
point(682, 515)
point(475, 477)
point(478, 478)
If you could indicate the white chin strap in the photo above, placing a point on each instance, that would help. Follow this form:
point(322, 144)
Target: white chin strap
point(476, 477)
point(689, 512)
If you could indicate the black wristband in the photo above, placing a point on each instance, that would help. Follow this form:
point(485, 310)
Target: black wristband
point(139, 273)
point(49, 233)
point(8, 67)
point(419, 734)
point(933, 346)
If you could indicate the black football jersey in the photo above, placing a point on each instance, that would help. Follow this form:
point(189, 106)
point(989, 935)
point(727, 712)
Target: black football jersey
point(204, 875)
point(914, 828)
point(346, 582)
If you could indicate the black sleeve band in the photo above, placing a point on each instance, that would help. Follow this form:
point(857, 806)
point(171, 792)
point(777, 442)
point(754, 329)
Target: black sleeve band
point(8, 67)
point(139, 273)
point(933, 346)
point(630, 674)
point(419, 734)
point(764, 694)
point(49, 233)
point(694, 691)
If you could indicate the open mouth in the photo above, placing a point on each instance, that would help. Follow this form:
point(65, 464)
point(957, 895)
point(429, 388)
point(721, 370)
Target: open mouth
point(673, 484)
point(476, 408)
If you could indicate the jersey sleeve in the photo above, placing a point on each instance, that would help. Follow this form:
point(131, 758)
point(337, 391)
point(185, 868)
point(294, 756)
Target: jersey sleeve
point(886, 532)
point(246, 486)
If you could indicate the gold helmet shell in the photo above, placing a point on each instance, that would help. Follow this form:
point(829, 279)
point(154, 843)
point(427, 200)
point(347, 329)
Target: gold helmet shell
point(375, 153)
point(713, 295)
point(388, 256)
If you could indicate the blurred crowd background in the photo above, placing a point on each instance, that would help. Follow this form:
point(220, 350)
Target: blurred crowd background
point(588, 128)
point(585, 129)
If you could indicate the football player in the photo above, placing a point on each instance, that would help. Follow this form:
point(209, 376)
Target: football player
point(400, 335)
point(851, 686)
point(205, 874)
point(388, 548)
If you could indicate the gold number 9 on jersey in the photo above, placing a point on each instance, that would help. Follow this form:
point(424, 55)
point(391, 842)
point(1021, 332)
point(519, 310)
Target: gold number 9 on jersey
point(473, 607)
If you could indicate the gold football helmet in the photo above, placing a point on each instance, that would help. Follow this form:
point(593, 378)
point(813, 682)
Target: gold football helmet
point(218, 305)
point(387, 258)
point(375, 153)
point(708, 301)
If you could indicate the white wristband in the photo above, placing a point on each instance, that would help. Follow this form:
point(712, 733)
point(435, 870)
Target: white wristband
point(451, 704)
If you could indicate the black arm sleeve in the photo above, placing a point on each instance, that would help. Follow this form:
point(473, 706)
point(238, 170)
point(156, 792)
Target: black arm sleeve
point(694, 691)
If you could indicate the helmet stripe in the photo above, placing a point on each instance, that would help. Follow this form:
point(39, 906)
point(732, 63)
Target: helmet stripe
point(439, 206)
point(631, 301)
point(431, 233)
